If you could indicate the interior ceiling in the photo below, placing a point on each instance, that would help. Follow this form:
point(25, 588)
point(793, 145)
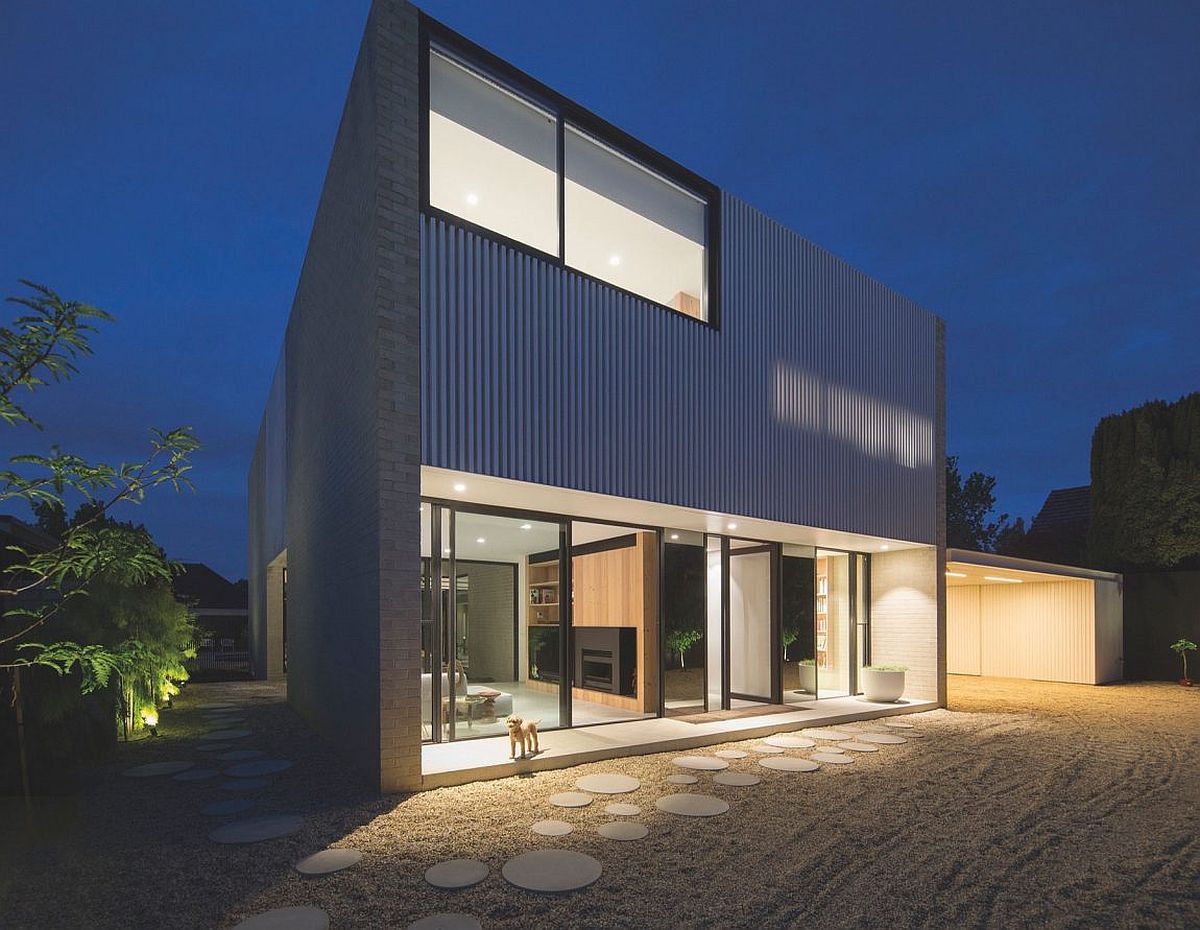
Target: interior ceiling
point(505, 539)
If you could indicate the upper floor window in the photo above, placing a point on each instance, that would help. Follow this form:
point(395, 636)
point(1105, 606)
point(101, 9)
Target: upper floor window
point(493, 156)
point(494, 160)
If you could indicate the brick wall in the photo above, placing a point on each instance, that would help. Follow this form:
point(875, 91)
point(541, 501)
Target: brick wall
point(905, 616)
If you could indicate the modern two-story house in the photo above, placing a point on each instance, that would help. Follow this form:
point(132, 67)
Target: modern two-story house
point(561, 429)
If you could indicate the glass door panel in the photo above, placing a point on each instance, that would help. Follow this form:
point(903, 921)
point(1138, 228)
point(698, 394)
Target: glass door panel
point(833, 643)
point(750, 607)
point(685, 652)
point(798, 619)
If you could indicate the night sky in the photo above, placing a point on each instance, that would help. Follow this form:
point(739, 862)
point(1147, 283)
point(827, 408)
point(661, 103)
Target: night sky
point(1029, 171)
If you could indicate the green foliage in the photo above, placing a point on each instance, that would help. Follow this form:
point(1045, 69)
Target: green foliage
point(788, 636)
point(681, 641)
point(969, 506)
point(885, 668)
point(1146, 487)
point(808, 663)
point(1182, 647)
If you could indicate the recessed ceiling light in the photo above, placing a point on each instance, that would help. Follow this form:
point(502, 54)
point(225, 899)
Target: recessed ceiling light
point(614, 260)
point(460, 487)
point(674, 535)
point(883, 548)
point(1005, 580)
point(731, 526)
point(480, 540)
point(956, 574)
point(526, 526)
point(472, 199)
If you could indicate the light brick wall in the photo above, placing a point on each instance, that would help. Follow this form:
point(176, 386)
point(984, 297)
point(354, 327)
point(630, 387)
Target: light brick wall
point(905, 616)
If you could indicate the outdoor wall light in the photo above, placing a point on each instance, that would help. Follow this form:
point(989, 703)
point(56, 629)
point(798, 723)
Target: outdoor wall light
point(480, 540)
point(674, 535)
point(884, 548)
point(731, 526)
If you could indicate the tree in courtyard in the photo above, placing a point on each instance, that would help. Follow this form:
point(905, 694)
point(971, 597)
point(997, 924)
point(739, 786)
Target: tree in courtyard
point(40, 346)
point(1181, 648)
point(969, 507)
point(681, 641)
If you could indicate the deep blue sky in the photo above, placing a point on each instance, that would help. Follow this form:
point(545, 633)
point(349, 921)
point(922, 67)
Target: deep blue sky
point(1029, 171)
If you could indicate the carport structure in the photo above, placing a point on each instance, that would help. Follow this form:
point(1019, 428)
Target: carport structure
point(1017, 618)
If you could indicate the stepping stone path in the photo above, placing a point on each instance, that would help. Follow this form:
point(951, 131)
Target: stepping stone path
point(858, 747)
point(700, 763)
point(788, 764)
point(552, 828)
point(551, 870)
point(827, 733)
point(447, 922)
point(768, 750)
point(682, 779)
point(692, 805)
point(783, 741)
point(196, 775)
point(456, 873)
point(623, 810)
point(258, 767)
point(225, 808)
point(833, 758)
point(608, 783)
point(214, 747)
point(246, 784)
point(151, 769)
point(736, 779)
point(257, 829)
point(836, 750)
point(328, 861)
point(886, 739)
point(623, 831)
point(287, 918)
point(731, 753)
point(221, 735)
point(239, 755)
point(570, 799)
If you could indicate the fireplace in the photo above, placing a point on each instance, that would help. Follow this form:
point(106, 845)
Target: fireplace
point(606, 659)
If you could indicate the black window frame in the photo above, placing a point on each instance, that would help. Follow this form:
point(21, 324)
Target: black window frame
point(440, 38)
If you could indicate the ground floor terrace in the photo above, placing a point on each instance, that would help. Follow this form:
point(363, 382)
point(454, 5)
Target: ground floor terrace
point(1021, 804)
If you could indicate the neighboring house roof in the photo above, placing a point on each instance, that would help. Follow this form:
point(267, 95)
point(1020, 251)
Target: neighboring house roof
point(202, 587)
point(1059, 531)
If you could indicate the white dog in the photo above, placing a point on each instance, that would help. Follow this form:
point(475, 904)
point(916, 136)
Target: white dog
point(523, 732)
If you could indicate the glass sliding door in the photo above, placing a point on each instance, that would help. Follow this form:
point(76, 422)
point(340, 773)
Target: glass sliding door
point(862, 617)
point(797, 594)
point(685, 621)
point(834, 652)
point(716, 683)
point(752, 659)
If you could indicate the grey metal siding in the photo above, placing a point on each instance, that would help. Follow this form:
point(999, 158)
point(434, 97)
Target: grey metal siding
point(815, 402)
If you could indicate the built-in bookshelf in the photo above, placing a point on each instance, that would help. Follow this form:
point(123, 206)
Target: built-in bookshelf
point(542, 581)
point(822, 608)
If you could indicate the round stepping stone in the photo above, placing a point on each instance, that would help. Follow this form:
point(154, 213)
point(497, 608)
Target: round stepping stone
point(570, 799)
point(216, 705)
point(224, 715)
point(736, 779)
point(196, 775)
point(214, 747)
point(700, 763)
point(456, 873)
point(246, 784)
point(886, 739)
point(608, 783)
point(731, 753)
point(221, 735)
point(240, 755)
point(692, 805)
point(837, 750)
point(257, 829)
point(682, 779)
point(258, 767)
point(328, 861)
point(287, 918)
point(833, 758)
point(788, 764)
point(551, 870)
point(784, 741)
point(623, 831)
point(151, 769)
point(623, 810)
point(827, 733)
point(225, 808)
point(858, 747)
point(446, 922)
point(898, 724)
point(552, 828)
point(768, 750)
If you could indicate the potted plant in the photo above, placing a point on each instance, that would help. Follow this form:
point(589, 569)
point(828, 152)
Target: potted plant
point(883, 683)
point(808, 676)
point(1182, 647)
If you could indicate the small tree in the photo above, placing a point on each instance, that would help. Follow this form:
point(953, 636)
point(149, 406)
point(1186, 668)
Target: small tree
point(969, 506)
point(681, 641)
point(1181, 648)
point(789, 636)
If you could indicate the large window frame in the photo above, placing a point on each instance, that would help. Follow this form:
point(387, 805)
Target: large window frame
point(449, 44)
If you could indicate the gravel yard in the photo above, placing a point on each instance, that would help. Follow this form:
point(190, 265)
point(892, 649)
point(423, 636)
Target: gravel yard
point(1026, 804)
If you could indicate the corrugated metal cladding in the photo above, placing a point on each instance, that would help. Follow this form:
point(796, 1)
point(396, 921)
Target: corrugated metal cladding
point(815, 402)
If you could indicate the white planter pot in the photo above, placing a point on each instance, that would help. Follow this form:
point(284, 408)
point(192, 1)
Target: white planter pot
point(808, 679)
point(883, 687)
